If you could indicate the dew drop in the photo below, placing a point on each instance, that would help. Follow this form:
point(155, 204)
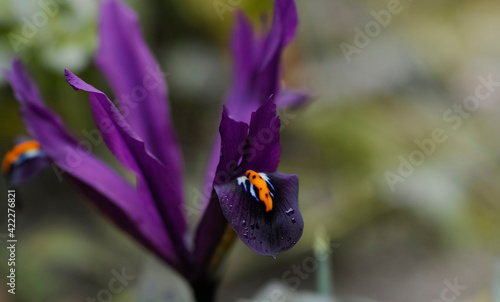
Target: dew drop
point(244, 222)
point(290, 211)
point(293, 219)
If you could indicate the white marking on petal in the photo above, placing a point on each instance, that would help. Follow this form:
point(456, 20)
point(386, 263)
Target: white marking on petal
point(242, 180)
point(252, 191)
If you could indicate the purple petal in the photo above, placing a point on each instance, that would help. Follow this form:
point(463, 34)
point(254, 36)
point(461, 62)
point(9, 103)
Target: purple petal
point(233, 135)
point(116, 143)
point(149, 224)
point(288, 11)
point(115, 197)
point(245, 94)
point(257, 61)
point(292, 98)
point(24, 89)
point(154, 176)
point(213, 224)
point(263, 149)
point(267, 233)
point(138, 83)
point(241, 100)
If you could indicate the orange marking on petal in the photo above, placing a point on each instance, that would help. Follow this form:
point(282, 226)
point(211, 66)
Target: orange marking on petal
point(18, 150)
point(261, 185)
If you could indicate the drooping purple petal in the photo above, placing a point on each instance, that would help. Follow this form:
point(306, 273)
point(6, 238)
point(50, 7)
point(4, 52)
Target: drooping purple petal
point(213, 224)
point(138, 83)
point(110, 193)
point(263, 149)
point(267, 233)
point(157, 177)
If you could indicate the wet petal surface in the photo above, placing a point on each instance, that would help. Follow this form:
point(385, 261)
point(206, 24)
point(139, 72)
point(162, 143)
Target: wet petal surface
point(265, 232)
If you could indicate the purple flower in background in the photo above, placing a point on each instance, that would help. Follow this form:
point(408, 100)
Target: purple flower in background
point(249, 197)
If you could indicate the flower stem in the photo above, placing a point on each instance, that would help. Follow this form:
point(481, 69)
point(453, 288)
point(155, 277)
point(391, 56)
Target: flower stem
point(323, 252)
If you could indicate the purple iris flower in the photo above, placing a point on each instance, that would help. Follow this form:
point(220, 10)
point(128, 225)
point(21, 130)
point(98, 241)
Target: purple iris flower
point(249, 198)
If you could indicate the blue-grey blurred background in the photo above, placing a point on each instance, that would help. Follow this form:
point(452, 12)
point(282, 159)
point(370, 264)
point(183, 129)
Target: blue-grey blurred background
point(404, 242)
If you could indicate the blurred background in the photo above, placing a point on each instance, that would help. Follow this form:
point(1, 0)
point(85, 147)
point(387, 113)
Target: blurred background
point(403, 240)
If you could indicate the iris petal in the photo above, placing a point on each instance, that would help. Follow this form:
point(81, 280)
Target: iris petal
point(157, 177)
point(137, 82)
point(290, 19)
point(110, 193)
point(263, 149)
point(267, 233)
point(257, 69)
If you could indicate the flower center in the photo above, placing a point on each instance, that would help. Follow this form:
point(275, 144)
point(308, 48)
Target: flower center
point(259, 181)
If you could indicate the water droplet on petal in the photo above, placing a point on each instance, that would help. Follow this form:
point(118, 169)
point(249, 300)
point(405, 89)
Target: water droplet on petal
point(293, 219)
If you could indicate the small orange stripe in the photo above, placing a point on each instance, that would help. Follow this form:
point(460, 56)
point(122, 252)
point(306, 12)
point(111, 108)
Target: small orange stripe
point(13, 154)
point(261, 185)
